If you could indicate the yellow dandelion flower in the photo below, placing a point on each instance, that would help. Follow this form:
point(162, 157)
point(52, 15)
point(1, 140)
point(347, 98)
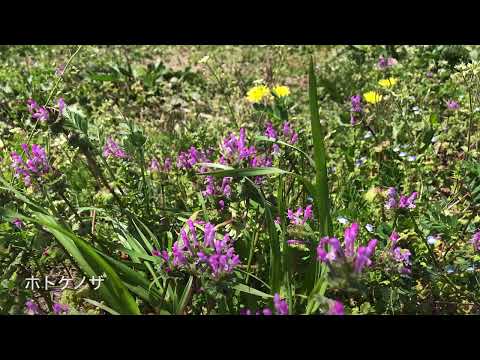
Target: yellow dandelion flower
point(372, 97)
point(387, 83)
point(257, 93)
point(281, 91)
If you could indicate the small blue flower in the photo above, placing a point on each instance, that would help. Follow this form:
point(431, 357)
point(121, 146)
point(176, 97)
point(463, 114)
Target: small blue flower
point(431, 240)
point(360, 161)
point(412, 158)
point(402, 154)
point(342, 220)
point(367, 135)
point(369, 228)
point(396, 149)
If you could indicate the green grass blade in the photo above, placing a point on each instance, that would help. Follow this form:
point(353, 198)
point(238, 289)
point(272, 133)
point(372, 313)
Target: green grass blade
point(320, 158)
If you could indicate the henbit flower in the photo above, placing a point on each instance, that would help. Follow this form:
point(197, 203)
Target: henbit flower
point(32, 105)
point(289, 133)
point(41, 114)
point(267, 311)
point(356, 101)
point(32, 307)
point(385, 63)
point(112, 149)
point(332, 254)
point(258, 93)
point(388, 83)
point(394, 237)
point(281, 305)
point(350, 235)
point(59, 309)
point(452, 105)
point(212, 256)
point(18, 223)
point(336, 308)
point(476, 241)
point(296, 217)
point(281, 91)
point(372, 97)
point(36, 165)
point(270, 131)
point(154, 165)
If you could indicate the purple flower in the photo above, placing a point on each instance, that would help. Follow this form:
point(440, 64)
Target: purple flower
point(36, 164)
point(59, 71)
point(289, 133)
point(394, 237)
point(281, 306)
point(213, 256)
point(112, 149)
point(186, 160)
point(32, 105)
point(32, 307)
point(41, 114)
point(61, 106)
point(167, 165)
point(270, 131)
point(59, 309)
point(18, 223)
point(336, 308)
point(332, 254)
point(350, 235)
point(267, 311)
point(452, 105)
point(296, 217)
point(154, 165)
point(308, 213)
point(385, 63)
point(356, 101)
point(476, 241)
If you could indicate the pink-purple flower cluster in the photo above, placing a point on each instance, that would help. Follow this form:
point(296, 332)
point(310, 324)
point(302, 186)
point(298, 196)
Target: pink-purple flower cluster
point(361, 256)
point(399, 255)
point(357, 109)
point(18, 223)
point(384, 63)
point(235, 150)
point(452, 105)
point(38, 112)
point(396, 201)
point(215, 188)
point(35, 166)
point(112, 149)
point(211, 255)
point(156, 167)
point(186, 159)
point(59, 309)
point(32, 307)
point(336, 308)
point(280, 305)
point(300, 216)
